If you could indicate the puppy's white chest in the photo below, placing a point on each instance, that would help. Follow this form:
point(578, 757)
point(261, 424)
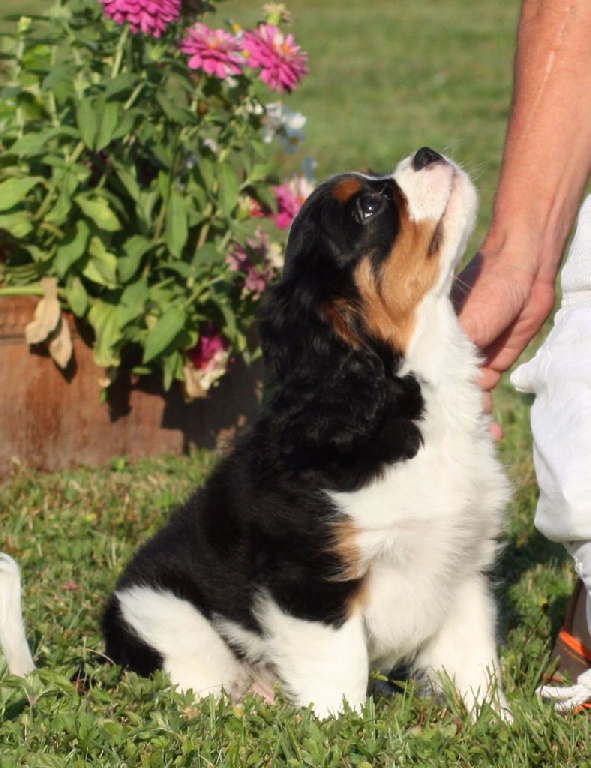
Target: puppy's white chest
point(421, 530)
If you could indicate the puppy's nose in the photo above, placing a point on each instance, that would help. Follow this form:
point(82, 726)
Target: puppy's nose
point(425, 156)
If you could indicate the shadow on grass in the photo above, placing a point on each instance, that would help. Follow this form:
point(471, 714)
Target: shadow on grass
point(517, 560)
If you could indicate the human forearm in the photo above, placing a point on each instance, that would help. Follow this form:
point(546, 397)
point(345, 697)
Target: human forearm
point(547, 157)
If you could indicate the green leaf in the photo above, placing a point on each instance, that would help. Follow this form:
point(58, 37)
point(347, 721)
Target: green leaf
point(207, 254)
point(104, 319)
point(72, 248)
point(123, 83)
point(230, 328)
point(32, 143)
point(18, 224)
point(59, 213)
point(128, 180)
point(133, 302)
point(101, 266)
point(108, 120)
point(61, 74)
point(229, 189)
point(259, 173)
point(13, 191)
point(173, 111)
point(125, 125)
point(176, 230)
point(164, 332)
point(97, 209)
point(76, 296)
point(207, 171)
point(135, 248)
point(86, 119)
point(173, 368)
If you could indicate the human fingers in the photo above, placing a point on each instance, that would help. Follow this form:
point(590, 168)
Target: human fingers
point(488, 297)
point(495, 428)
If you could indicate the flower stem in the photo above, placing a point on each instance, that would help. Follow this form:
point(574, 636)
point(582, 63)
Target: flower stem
point(119, 52)
point(34, 289)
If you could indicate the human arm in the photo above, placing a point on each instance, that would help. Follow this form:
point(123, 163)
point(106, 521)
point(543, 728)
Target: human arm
point(508, 290)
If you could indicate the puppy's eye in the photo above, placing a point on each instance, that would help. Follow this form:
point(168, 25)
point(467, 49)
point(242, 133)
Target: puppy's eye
point(367, 206)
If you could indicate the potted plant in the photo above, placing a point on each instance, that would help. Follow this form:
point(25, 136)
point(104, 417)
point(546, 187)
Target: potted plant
point(139, 190)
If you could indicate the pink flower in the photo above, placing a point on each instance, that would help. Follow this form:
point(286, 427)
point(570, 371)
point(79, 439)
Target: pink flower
point(206, 364)
point(282, 62)
point(258, 262)
point(213, 50)
point(290, 197)
point(148, 16)
point(239, 260)
point(208, 347)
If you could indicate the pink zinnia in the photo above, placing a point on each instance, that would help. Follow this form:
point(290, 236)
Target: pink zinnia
point(282, 62)
point(148, 16)
point(208, 348)
point(290, 197)
point(238, 259)
point(212, 50)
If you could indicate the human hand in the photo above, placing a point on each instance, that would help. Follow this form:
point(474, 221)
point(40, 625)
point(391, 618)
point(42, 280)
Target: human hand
point(502, 303)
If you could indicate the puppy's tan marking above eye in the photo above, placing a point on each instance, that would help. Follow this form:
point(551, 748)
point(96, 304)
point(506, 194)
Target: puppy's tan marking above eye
point(346, 188)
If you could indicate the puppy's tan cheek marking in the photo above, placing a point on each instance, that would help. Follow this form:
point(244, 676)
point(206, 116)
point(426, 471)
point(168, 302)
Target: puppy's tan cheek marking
point(344, 189)
point(340, 315)
point(392, 297)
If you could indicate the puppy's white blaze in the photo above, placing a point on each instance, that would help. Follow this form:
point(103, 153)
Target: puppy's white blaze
point(194, 655)
point(441, 192)
point(427, 190)
point(319, 664)
point(13, 641)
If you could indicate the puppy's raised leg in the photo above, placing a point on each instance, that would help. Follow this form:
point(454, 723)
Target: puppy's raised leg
point(192, 652)
point(465, 649)
point(13, 641)
point(319, 664)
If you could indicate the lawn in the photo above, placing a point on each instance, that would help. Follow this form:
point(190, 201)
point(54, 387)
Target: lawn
point(385, 77)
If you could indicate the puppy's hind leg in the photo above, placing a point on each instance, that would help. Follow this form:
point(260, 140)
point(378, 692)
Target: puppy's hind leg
point(191, 651)
point(13, 641)
point(465, 649)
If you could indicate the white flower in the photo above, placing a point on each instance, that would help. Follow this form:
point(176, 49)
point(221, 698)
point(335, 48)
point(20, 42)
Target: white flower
point(285, 125)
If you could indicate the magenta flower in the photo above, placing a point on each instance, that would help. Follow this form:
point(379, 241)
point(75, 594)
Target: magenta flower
point(148, 16)
point(207, 363)
point(290, 197)
point(258, 263)
point(239, 260)
point(281, 61)
point(213, 50)
point(208, 348)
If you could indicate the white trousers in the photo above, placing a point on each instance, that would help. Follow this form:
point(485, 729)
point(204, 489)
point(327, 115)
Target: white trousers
point(560, 378)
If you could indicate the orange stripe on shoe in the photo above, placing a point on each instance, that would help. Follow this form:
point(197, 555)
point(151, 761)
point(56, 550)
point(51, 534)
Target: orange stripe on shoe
point(574, 644)
point(582, 708)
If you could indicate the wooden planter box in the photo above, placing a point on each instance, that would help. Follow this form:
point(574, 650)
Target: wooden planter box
point(51, 419)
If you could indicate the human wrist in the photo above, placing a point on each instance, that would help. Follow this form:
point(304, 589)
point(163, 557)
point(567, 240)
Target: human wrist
point(530, 251)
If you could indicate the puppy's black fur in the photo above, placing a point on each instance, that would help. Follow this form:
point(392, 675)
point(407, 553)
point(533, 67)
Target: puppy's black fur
point(338, 413)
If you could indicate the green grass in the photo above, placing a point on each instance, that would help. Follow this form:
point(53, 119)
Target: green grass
point(386, 77)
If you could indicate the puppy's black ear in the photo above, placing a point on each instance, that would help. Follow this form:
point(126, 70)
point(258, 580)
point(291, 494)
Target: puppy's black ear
point(333, 404)
point(337, 400)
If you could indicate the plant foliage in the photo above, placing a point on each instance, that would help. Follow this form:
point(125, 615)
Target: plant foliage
point(128, 177)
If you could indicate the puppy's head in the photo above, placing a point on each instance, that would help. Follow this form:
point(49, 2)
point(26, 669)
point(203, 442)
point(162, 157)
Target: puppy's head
point(366, 250)
point(363, 255)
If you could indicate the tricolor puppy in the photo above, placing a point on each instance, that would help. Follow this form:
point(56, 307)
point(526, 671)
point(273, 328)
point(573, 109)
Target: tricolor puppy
point(355, 524)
